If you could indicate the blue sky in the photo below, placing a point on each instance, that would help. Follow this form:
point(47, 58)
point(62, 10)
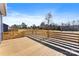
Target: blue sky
point(34, 13)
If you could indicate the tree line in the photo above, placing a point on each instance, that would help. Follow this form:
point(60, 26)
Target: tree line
point(70, 26)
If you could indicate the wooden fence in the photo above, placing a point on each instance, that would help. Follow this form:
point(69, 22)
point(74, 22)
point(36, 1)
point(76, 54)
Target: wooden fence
point(63, 35)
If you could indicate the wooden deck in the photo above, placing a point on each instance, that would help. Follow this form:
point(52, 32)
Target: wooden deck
point(25, 47)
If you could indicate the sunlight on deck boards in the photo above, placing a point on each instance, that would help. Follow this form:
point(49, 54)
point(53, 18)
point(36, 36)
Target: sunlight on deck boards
point(25, 47)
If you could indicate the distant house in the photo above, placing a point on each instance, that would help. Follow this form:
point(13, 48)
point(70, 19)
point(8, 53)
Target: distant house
point(5, 27)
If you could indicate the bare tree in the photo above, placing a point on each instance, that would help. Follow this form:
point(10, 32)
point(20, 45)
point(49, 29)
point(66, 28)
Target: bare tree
point(62, 24)
point(73, 23)
point(33, 29)
point(48, 17)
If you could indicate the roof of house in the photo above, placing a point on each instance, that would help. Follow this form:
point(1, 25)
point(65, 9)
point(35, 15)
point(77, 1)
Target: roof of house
point(3, 8)
point(5, 24)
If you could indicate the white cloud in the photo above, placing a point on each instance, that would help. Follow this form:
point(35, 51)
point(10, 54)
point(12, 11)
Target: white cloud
point(18, 18)
point(65, 18)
